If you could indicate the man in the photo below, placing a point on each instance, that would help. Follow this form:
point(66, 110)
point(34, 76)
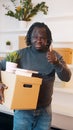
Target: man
point(39, 57)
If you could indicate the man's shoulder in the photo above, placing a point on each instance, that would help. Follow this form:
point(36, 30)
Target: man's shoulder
point(24, 50)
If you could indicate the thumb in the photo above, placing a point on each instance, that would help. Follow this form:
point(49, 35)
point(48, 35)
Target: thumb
point(50, 48)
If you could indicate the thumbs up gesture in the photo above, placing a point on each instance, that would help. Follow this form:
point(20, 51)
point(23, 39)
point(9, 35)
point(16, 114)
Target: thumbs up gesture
point(51, 56)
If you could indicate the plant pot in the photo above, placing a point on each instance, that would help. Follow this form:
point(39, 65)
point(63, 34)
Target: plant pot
point(8, 47)
point(23, 24)
point(11, 67)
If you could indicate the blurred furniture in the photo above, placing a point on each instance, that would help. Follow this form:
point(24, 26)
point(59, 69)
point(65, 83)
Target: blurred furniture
point(6, 121)
point(67, 54)
point(22, 42)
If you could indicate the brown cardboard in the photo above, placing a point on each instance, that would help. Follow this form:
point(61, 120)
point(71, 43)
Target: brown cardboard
point(17, 96)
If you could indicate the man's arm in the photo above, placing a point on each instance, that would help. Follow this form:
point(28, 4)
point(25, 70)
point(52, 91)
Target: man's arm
point(60, 65)
point(62, 70)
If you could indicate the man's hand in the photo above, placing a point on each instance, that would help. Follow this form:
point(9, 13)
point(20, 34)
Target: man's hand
point(2, 88)
point(51, 56)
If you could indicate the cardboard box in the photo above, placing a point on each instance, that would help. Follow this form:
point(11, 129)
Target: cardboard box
point(22, 92)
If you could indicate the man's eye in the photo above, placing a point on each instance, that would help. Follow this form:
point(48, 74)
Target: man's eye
point(43, 38)
point(35, 37)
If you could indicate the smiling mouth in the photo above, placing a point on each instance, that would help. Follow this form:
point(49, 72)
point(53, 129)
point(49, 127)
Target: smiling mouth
point(38, 46)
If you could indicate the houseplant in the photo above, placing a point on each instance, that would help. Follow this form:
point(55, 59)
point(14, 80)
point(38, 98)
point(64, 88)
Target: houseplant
point(25, 10)
point(11, 61)
point(13, 57)
point(8, 45)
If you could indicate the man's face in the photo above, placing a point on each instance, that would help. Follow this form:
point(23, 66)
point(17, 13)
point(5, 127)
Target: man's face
point(39, 38)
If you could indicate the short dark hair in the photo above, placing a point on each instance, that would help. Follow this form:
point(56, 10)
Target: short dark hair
point(38, 24)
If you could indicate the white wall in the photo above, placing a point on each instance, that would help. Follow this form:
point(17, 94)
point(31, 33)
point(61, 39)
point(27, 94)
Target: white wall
point(59, 19)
